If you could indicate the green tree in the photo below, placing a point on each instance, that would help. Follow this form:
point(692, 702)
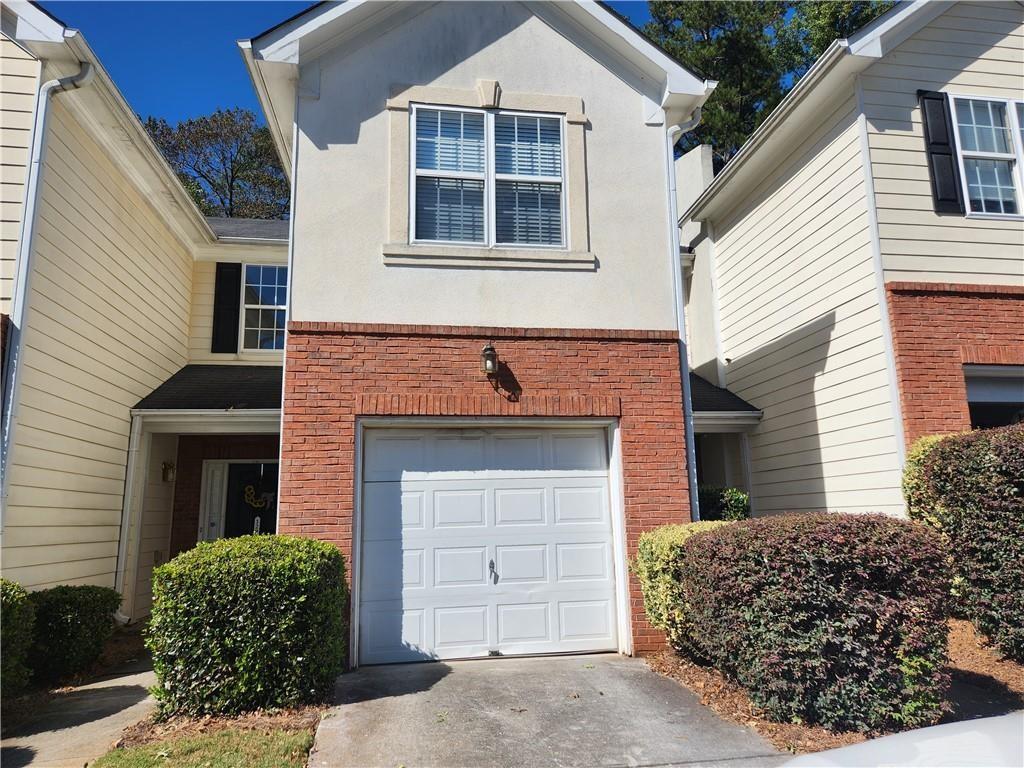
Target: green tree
point(227, 163)
point(756, 51)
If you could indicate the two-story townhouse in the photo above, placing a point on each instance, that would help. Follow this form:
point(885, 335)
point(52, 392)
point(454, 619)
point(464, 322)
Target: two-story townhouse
point(858, 267)
point(130, 324)
point(483, 397)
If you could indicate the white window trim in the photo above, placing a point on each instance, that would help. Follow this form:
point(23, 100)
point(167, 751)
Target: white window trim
point(1016, 157)
point(489, 177)
point(243, 305)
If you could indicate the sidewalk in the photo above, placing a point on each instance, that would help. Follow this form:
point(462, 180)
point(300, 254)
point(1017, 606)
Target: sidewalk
point(79, 725)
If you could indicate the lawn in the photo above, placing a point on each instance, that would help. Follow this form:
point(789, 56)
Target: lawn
point(228, 748)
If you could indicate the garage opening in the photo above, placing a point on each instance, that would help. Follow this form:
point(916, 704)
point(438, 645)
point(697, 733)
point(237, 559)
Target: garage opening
point(485, 542)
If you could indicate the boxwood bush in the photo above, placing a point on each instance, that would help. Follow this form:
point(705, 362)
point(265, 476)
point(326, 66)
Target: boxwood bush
point(723, 503)
point(831, 619)
point(72, 624)
point(248, 623)
point(17, 617)
point(971, 487)
point(657, 568)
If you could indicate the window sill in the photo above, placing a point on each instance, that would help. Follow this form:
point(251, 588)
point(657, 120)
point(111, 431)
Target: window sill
point(995, 216)
point(475, 257)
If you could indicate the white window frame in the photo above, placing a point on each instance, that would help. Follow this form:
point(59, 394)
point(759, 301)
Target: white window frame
point(244, 306)
point(1016, 157)
point(490, 178)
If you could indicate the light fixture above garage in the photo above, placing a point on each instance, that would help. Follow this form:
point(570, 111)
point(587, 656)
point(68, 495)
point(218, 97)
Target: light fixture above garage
point(489, 360)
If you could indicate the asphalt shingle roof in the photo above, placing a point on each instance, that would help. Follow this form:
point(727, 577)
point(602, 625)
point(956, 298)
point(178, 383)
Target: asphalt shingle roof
point(253, 229)
point(218, 387)
point(705, 396)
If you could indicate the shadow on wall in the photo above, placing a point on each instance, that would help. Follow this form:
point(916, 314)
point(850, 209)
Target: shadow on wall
point(785, 449)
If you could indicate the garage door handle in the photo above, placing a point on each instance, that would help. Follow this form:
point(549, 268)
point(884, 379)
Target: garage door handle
point(494, 573)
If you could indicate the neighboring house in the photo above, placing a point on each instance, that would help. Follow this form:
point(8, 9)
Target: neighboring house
point(858, 268)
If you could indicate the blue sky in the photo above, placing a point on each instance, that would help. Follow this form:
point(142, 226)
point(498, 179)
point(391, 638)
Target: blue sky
point(150, 48)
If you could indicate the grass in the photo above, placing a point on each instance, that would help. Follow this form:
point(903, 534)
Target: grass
point(228, 748)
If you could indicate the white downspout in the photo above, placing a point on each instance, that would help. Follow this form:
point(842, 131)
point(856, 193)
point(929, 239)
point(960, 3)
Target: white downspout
point(26, 240)
point(135, 437)
point(672, 135)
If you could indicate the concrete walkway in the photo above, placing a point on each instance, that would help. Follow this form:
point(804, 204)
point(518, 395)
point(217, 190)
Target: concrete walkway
point(593, 711)
point(80, 725)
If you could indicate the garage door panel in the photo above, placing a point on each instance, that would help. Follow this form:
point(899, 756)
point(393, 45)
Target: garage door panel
point(441, 506)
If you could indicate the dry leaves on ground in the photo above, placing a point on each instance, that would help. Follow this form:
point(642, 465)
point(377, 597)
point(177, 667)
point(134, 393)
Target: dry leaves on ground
point(150, 730)
point(983, 685)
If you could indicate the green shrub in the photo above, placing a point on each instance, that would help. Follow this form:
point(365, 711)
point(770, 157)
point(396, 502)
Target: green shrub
point(723, 503)
point(823, 618)
point(248, 623)
point(657, 568)
point(971, 487)
point(72, 625)
point(17, 617)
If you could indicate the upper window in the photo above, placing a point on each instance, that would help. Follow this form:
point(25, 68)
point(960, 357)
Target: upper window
point(488, 178)
point(264, 302)
point(989, 134)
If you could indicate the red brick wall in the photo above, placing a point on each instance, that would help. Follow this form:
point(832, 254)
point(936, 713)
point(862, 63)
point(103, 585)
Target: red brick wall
point(937, 328)
point(192, 451)
point(336, 372)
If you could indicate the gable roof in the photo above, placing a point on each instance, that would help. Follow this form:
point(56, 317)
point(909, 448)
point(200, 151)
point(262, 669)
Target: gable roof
point(274, 57)
point(788, 121)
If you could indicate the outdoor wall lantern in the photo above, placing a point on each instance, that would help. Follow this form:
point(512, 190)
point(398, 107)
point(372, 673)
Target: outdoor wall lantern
point(489, 360)
point(167, 472)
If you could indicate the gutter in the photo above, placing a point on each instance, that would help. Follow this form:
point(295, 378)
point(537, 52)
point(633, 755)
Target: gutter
point(672, 134)
point(26, 243)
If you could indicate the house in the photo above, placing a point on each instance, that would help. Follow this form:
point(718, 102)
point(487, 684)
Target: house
point(858, 267)
point(460, 360)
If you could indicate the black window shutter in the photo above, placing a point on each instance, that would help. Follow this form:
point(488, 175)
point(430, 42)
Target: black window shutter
point(940, 145)
point(227, 297)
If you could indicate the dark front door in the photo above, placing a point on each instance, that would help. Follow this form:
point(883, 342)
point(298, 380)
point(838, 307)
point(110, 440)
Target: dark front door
point(251, 505)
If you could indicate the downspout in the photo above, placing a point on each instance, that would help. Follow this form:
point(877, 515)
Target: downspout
point(26, 241)
point(135, 437)
point(672, 135)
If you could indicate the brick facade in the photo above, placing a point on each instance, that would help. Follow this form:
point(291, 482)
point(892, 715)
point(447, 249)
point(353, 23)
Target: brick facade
point(336, 372)
point(939, 327)
point(192, 451)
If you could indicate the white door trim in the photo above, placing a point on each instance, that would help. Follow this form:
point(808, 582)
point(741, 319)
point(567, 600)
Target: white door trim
point(213, 492)
point(616, 501)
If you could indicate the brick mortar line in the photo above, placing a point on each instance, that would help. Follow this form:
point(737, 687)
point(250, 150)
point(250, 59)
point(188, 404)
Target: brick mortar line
point(483, 332)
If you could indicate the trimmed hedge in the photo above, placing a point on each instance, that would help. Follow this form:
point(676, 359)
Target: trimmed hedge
point(17, 617)
point(71, 627)
point(971, 487)
point(723, 503)
point(657, 568)
point(823, 618)
point(248, 623)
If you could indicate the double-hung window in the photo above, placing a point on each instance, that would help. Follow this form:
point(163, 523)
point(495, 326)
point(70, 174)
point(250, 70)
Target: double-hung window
point(488, 178)
point(990, 138)
point(264, 297)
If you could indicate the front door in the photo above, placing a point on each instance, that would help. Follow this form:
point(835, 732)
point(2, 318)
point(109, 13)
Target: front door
point(239, 498)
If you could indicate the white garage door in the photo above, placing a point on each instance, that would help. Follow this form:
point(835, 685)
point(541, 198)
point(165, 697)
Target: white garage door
point(483, 542)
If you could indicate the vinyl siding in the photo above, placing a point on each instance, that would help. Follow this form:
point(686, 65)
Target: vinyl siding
point(972, 49)
point(801, 325)
point(107, 322)
point(19, 76)
point(157, 503)
point(204, 275)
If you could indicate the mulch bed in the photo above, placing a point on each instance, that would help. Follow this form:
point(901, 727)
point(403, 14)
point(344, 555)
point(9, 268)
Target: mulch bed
point(152, 730)
point(983, 684)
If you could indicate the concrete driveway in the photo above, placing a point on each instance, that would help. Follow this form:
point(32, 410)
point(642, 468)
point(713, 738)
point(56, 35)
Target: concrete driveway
point(593, 711)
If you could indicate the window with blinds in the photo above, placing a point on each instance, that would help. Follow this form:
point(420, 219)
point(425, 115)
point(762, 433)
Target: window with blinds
point(488, 178)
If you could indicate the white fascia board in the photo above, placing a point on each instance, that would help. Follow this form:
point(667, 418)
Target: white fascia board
point(280, 113)
point(35, 25)
point(725, 421)
point(891, 29)
point(235, 422)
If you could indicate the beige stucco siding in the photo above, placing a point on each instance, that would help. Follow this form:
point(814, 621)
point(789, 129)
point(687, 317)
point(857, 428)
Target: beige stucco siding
point(19, 79)
point(974, 49)
point(802, 329)
point(342, 202)
point(204, 274)
point(107, 322)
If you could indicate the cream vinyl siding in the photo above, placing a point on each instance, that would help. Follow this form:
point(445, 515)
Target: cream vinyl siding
point(204, 276)
point(19, 79)
point(972, 49)
point(157, 503)
point(107, 322)
point(801, 324)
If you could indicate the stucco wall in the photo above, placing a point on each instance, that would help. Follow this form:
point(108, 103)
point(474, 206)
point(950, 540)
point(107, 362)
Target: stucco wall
point(973, 49)
point(343, 195)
